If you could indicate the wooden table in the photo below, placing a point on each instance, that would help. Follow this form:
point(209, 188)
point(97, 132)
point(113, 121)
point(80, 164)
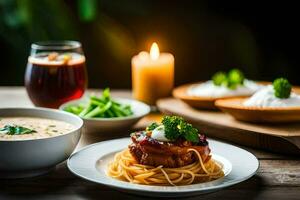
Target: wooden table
point(278, 176)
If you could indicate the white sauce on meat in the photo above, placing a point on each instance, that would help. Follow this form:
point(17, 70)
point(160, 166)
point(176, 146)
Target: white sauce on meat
point(159, 134)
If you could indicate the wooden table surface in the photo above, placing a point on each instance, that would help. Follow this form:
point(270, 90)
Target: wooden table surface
point(278, 176)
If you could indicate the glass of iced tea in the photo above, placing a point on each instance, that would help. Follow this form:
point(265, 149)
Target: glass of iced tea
point(55, 73)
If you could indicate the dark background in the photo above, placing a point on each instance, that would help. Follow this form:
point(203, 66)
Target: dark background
point(204, 36)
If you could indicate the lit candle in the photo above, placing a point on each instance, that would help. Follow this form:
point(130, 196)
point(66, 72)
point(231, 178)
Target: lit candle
point(152, 75)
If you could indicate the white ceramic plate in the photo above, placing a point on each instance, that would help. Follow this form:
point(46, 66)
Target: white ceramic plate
point(90, 163)
point(102, 125)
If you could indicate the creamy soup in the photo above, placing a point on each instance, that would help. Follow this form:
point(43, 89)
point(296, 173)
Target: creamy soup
point(23, 128)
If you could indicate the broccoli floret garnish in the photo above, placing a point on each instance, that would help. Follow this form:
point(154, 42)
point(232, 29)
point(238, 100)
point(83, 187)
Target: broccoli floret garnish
point(282, 88)
point(152, 126)
point(231, 80)
point(235, 78)
point(171, 127)
point(219, 78)
point(176, 127)
point(188, 132)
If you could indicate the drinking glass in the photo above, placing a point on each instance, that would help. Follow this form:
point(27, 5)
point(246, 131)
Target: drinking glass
point(55, 73)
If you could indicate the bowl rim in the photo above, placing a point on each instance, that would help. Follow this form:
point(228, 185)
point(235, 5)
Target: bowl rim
point(148, 109)
point(61, 112)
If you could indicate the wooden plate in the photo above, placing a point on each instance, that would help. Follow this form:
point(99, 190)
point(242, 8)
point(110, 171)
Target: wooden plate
point(282, 137)
point(207, 103)
point(235, 108)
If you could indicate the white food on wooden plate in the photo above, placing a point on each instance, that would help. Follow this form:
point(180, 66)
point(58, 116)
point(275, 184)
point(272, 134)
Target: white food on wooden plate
point(265, 98)
point(209, 89)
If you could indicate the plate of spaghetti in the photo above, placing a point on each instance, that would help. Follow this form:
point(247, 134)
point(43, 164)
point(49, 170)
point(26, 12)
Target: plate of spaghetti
point(167, 159)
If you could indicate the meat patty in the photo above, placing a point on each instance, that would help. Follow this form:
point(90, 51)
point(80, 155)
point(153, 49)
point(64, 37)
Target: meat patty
point(149, 151)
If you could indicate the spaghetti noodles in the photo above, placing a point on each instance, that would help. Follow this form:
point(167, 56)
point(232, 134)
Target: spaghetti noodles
point(125, 167)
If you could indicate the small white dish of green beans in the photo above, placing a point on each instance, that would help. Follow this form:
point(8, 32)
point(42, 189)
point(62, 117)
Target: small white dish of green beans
point(103, 113)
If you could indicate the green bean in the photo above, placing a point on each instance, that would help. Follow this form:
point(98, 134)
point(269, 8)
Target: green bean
point(106, 93)
point(98, 110)
point(100, 115)
point(116, 103)
point(76, 110)
point(86, 110)
point(118, 108)
point(110, 113)
point(97, 99)
point(117, 112)
point(97, 103)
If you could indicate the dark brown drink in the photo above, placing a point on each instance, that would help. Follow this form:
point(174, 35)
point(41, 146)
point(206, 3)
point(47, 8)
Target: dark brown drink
point(53, 78)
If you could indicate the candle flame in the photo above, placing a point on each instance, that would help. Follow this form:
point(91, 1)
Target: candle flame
point(154, 51)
